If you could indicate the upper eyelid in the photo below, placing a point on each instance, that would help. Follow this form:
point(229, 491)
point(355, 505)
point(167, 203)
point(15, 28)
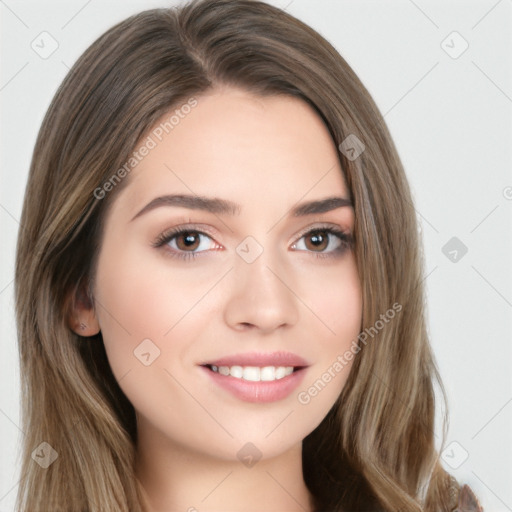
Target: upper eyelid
point(318, 224)
point(323, 225)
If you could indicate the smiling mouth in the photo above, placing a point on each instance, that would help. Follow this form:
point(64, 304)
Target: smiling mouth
point(254, 373)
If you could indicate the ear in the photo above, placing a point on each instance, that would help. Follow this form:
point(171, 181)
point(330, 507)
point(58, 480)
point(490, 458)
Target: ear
point(82, 317)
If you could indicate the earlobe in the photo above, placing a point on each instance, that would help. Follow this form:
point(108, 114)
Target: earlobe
point(85, 326)
point(82, 318)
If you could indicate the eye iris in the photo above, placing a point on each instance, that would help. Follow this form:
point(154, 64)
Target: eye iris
point(318, 239)
point(191, 240)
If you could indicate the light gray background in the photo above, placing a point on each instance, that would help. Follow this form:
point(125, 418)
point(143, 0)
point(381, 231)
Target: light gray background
point(451, 121)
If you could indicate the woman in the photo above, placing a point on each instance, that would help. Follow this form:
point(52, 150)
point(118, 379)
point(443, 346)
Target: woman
point(219, 281)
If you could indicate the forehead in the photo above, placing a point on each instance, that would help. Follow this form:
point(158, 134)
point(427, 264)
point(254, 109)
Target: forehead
point(255, 150)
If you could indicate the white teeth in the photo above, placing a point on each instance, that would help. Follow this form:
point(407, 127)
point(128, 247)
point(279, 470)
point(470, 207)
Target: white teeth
point(224, 370)
point(280, 372)
point(251, 373)
point(236, 371)
point(254, 373)
point(268, 373)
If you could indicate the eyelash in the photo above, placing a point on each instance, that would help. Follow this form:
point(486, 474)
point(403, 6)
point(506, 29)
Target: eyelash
point(345, 238)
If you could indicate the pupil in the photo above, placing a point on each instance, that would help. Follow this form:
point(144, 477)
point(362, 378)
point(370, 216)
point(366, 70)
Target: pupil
point(317, 239)
point(188, 240)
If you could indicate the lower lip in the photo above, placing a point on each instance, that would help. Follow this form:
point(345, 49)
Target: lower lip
point(262, 391)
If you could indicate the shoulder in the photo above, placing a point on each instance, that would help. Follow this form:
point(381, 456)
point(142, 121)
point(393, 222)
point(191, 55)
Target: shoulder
point(467, 501)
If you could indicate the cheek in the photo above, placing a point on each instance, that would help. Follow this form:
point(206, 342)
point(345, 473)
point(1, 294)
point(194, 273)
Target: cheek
point(141, 317)
point(133, 305)
point(343, 313)
point(142, 309)
point(337, 301)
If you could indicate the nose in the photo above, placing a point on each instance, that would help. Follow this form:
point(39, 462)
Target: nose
point(261, 296)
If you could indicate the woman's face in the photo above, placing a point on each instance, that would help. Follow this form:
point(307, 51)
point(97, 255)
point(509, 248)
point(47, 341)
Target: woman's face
point(203, 328)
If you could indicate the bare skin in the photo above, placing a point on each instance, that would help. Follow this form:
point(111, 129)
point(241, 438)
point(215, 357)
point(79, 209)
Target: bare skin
point(301, 295)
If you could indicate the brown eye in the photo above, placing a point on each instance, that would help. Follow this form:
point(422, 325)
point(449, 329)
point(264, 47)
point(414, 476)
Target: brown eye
point(185, 243)
point(191, 240)
point(325, 242)
point(319, 240)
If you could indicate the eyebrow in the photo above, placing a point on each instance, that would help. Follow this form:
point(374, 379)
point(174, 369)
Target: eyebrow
point(219, 206)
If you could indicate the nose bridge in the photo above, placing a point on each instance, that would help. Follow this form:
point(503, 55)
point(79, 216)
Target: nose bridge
point(260, 293)
point(260, 275)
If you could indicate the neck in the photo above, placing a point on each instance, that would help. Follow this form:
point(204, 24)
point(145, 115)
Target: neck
point(177, 478)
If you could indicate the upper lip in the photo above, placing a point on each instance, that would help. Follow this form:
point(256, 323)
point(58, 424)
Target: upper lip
point(259, 359)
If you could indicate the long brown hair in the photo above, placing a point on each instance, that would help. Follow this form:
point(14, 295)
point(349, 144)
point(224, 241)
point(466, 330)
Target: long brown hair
point(375, 450)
